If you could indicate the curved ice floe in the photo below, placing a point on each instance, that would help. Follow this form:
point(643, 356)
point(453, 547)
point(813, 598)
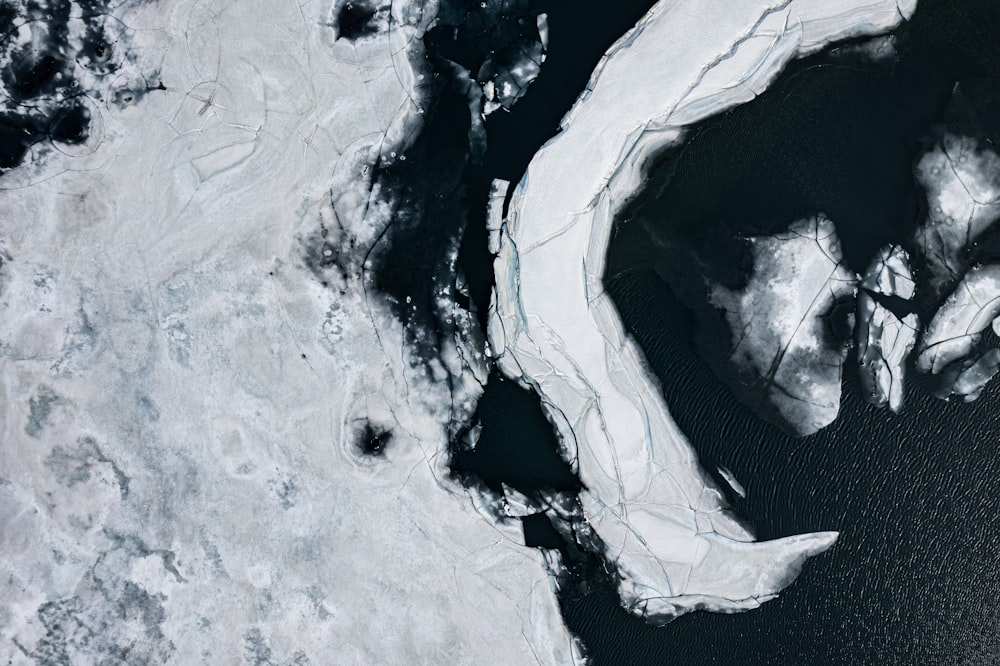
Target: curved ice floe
point(553, 327)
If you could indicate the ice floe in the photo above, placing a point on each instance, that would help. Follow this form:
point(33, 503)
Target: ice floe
point(961, 181)
point(507, 83)
point(732, 481)
point(780, 323)
point(885, 338)
point(971, 378)
point(553, 327)
point(216, 446)
point(957, 328)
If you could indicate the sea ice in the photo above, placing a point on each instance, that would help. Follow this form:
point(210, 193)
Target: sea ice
point(505, 84)
point(889, 274)
point(554, 328)
point(961, 180)
point(950, 346)
point(780, 323)
point(972, 378)
point(212, 453)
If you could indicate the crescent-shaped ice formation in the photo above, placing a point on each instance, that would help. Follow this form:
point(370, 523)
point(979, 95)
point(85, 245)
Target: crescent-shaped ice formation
point(553, 327)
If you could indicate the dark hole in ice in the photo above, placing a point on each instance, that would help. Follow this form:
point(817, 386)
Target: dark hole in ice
point(17, 134)
point(897, 305)
point(98, 51)
point(70, 125)
point(373, 441)
point(517, 445)
point(7, 16)
point(354, 21)
point(38, 79)
point(32, 75)
point(841, 321)
point(539, 532)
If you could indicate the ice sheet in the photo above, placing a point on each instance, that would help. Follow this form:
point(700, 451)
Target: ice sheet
point(185, 403)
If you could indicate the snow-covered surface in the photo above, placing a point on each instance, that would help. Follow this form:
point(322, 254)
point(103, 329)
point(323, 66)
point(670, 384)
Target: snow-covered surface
point(780, 322)
point(961, 180)
point(884, 340)
point(554, 328)
point(182, 397)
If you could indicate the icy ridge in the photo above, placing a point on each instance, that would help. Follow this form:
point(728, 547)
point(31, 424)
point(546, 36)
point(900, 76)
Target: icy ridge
point(553, 327)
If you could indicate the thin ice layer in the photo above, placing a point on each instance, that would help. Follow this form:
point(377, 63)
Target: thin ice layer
point(209, 454)
point(554, 328)
point(780, 323)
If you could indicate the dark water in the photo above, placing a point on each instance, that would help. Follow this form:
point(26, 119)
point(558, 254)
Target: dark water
point(440, 191)
point(915, 576)
point(835, 134)
point(516, 445)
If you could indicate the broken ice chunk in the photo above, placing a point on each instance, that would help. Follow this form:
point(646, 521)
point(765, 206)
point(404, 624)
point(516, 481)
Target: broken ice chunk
point(890, 273)
point(508, 75)
point(543, 29)
point(494, 213)
point(780, 327)
point(972, 378)
point(959, 323)
point(885, 337)
point(732, 481)
point(884, 342)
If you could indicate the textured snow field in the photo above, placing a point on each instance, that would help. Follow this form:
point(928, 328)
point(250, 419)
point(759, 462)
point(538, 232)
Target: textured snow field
point(554, 328)
point(181, 397)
